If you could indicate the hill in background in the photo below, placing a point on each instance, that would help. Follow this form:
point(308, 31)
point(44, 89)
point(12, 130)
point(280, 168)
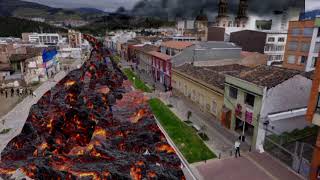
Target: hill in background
point(18, 8)
point(13, 27)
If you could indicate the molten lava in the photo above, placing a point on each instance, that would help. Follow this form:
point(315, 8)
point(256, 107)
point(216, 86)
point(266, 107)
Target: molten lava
point(91, 126)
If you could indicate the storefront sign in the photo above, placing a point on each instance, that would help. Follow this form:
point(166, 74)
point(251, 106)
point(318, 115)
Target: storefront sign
point(238, 110)
point(249, 116)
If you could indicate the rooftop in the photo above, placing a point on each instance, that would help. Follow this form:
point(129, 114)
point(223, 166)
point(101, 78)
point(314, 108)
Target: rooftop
point(267, 76)
point(147, 48)
point(176, 44)
point(160, 55)
point(214, 75)
point(208, 51)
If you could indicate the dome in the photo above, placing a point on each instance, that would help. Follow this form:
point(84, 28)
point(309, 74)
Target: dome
point(202, 17)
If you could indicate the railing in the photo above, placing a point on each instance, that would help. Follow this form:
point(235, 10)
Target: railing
point(183, 160)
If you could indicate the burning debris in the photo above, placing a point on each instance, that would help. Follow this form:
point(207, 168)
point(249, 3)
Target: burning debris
point(91, 127)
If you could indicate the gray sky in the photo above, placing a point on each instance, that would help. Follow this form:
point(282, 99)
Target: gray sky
point(112, 5)
point(107, 5)
point(312, 4)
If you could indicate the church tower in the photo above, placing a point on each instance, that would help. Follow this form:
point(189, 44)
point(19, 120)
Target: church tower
point(242, 17)
point(222, 19)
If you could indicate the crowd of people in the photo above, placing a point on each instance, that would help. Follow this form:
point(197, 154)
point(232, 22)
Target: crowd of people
point(18, 92)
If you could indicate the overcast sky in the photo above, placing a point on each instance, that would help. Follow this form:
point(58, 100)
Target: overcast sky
point(106, 5)
point(112, 5)
point(312, 4)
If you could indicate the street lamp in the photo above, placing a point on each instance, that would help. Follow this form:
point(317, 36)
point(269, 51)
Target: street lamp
point(134, 80)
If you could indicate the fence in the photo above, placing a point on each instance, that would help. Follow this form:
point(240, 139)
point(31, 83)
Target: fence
point(295, 154)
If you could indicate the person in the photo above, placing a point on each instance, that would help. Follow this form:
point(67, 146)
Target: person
point(12, 92)
point(17, 91)
point(20, 91)
point(237, 148)
point(6, 92)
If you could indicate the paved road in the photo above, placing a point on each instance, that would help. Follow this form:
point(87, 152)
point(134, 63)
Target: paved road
point(251, 166)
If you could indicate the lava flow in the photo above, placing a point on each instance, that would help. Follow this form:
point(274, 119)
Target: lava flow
point(91, 126)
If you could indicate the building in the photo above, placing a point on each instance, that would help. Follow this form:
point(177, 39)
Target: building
point(5, 71)
point(216, 34)
point(253, 97)
point(313, 116)
point(303, 45)
point(275, 46)
point(184, 38)
point(7, 49)
point(249, 40)
point(74, 39)
point(208, 54)
point(144, 58)
point(161, 68)
point(42, 38)
point(173, 48)
point(203, 85)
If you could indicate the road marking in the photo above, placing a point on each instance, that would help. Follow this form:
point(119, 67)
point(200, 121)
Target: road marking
point(261, 168)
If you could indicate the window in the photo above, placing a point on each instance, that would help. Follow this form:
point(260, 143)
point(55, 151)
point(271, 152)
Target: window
point(279, 48)
point(307, 32)
point(249, 99)
point(317, 48)
point(291, 59)
point(318, 105)
point(295, 31)
point(305, 47)
point(293, 46)
point(314, 62)
point(303, 59)
point(281, 39)
point(271, 39)
point(233, 92)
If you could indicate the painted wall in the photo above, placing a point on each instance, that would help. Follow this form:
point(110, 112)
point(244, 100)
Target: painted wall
point(291, 94)
point(208, 98)
point(243, 88)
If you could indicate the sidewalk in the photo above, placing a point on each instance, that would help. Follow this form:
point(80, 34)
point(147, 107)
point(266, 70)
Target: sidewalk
point(250, 166)
point(221, 140)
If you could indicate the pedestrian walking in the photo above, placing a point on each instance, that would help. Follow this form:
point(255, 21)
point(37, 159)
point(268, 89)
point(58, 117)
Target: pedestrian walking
point(12, 92)
point(20, 92)
point(17, 92)
point(1, 91)
point(6, 92)
point(237, 148)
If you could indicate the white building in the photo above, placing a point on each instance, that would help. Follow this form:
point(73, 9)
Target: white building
point(275, 46)
point(43, 38)
point(114, 40)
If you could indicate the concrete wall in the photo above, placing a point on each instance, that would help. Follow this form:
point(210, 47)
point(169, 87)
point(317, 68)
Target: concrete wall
point(291, 94)
point(252, 41)
point(216, 34)
point(209, 100)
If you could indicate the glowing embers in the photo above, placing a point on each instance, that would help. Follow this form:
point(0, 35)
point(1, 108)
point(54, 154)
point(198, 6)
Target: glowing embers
point(69, 83)
point(165, 148)
point(138, 115)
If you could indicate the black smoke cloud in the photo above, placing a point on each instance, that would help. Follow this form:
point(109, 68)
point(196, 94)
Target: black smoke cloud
point(191, 8)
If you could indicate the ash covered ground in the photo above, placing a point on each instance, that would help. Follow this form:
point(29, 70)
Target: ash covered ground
point(91, 126)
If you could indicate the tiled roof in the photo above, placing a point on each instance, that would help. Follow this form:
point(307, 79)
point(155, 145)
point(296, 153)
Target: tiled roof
point(267, 76)
point(176, 44)
point(147, 48)
point(214, 76)
point(160, 55)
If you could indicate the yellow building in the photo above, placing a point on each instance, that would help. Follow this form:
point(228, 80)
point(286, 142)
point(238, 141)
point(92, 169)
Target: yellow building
point(203, 85)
